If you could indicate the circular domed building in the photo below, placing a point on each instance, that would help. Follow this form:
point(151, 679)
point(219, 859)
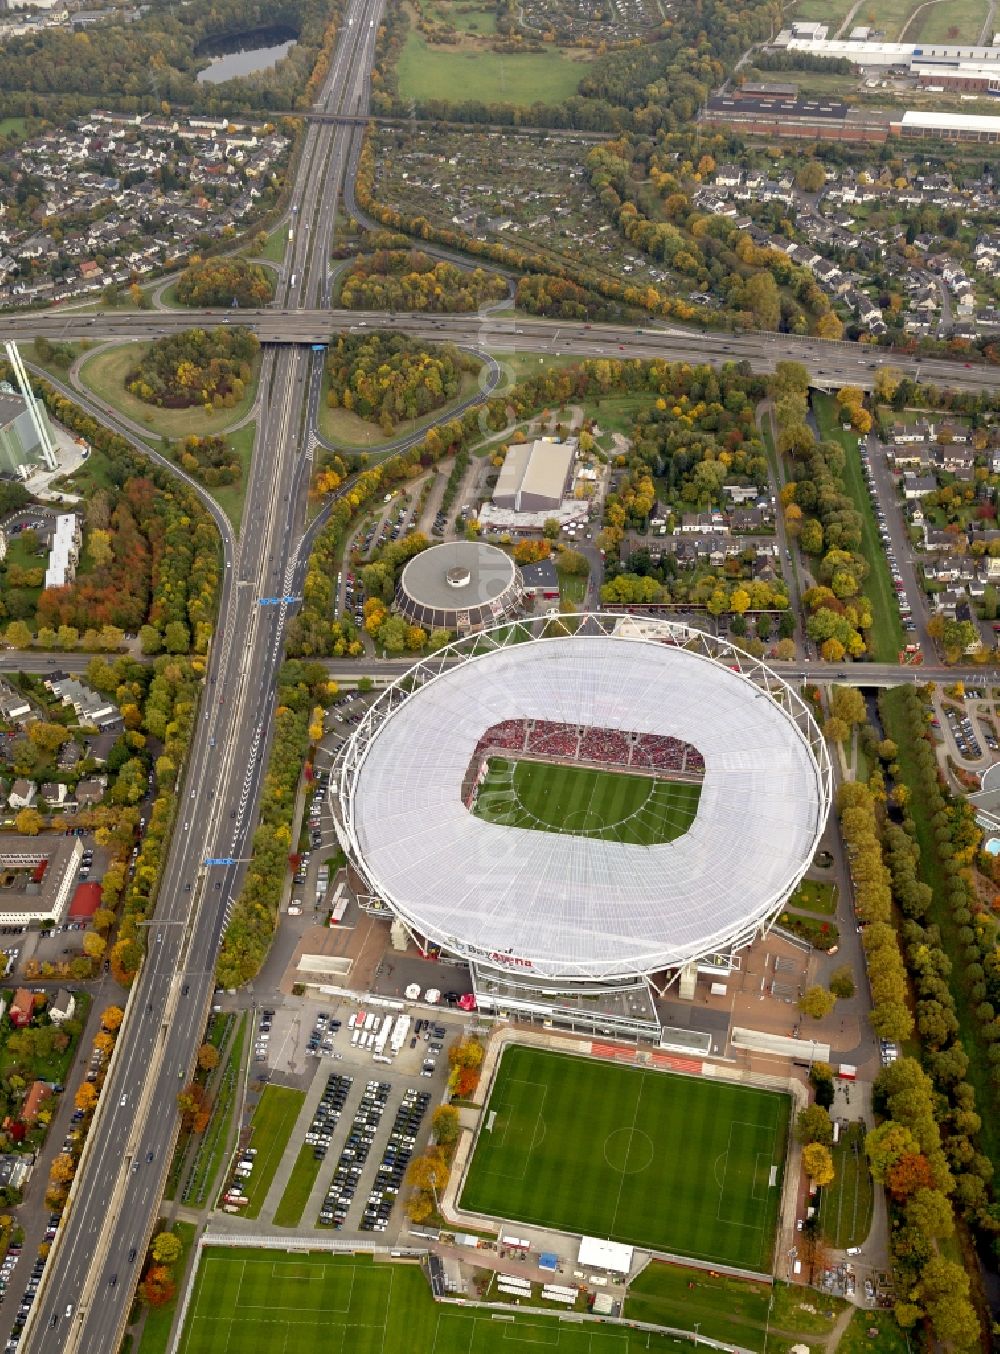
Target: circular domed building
point(463, 586)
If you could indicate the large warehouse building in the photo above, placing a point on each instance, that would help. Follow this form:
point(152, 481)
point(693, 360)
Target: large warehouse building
point(551, 918)
point(462, 586)
point(536, 475)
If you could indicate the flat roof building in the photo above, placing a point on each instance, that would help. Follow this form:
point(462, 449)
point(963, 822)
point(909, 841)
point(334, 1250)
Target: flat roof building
point(462, 586)
point(26, 897)
point(536, 475)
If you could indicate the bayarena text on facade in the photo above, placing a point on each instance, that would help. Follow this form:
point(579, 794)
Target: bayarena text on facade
point(545, 918)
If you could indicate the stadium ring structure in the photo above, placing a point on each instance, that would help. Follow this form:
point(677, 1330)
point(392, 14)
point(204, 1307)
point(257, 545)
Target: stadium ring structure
point(557, 912)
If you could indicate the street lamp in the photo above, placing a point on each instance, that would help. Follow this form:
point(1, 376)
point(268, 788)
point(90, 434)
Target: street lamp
point(697, 1328)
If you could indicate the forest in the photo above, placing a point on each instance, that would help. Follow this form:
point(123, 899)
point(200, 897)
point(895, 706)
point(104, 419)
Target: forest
point(409, 279)
point(386, 378)
point(151, 553)
point(210, 459)
point(151, 64)
point(198, 366)
point(226, 281)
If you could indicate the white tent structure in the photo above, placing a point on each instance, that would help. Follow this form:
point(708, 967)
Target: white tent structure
point(560, 907)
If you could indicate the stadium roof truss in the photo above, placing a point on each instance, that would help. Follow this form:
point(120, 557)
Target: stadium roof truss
point(566, 910)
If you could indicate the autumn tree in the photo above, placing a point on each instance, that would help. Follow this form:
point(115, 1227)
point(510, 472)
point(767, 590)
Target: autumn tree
point(158, 1287)
point(62, 1170)
point(29, 822)
point(817, 1163)
point(208, 1057)
point(112, 1018)
point(166, 1248)
point(86, 1097)
point(446, 1125)
point(94, 945)
point(817, 1002)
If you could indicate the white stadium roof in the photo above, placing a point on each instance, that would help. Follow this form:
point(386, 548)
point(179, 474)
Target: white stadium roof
point(558, 905)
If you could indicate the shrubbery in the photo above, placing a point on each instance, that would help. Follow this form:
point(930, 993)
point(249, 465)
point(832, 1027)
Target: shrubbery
point(211, 367)
point(386, 378)
point(223, 281)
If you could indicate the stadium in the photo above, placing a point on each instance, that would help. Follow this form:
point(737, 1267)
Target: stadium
point(584, 810)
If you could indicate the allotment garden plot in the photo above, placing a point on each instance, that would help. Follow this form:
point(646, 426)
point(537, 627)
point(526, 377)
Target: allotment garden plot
point(679, 1164)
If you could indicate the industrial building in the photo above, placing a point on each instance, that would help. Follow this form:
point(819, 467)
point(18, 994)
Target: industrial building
point(21, 444)
point(536, 476)
point(890, 55)
point(948, 127)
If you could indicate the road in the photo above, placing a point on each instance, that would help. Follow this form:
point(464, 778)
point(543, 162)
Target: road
point(832, 363)
point(385, 670)
point(90, 1278)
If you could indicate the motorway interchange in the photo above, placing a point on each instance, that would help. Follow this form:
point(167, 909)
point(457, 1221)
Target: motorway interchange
point(82, 1305)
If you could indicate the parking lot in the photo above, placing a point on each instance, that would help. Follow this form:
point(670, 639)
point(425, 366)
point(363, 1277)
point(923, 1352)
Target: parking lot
point(371, 1079)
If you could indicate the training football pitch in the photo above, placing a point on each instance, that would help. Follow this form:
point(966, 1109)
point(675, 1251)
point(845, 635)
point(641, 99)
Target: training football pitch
point(619, 807)
point(271, 1302)
point(679, 1164)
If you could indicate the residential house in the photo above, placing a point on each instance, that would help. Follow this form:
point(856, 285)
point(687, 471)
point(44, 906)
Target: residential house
point(62, 1006)
point(22, 1008)
point(38, 1093)
point(918, 486)
point(22, 794)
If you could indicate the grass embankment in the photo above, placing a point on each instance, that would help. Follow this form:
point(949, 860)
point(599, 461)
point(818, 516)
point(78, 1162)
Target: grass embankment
point(104, 373)
point(300, 1182)
point(887, 630)
point(460, 74)
point(232, 497)
point(930, 871)
point(277, 243)
point(156, 1327)
point(271, 1127)
point(212, 1148)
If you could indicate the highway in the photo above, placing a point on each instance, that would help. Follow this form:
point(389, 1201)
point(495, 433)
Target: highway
point(831, 363)
point(91, 1275)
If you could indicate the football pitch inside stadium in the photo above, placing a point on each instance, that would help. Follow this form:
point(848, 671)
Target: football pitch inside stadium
point(273, 1302)
point(555, 797)
point(686, 1165)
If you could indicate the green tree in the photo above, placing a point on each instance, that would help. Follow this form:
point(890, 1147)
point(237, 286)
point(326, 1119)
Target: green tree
point(813, 1124)
point(842, 981)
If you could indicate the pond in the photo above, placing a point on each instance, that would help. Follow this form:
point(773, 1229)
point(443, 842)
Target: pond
point(235, 54)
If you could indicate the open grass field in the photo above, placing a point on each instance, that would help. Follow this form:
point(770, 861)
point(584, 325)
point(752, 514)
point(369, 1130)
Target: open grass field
point(271, 1127)
point(292, 1203)
point(887, 637)
point(815, 895)
point(613, 806)
point(104, 373)
point(674, 1163)
point(949, 21)
point(272, 1302)
point(846, 1206)
point(429, 72)
point(231, 497)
